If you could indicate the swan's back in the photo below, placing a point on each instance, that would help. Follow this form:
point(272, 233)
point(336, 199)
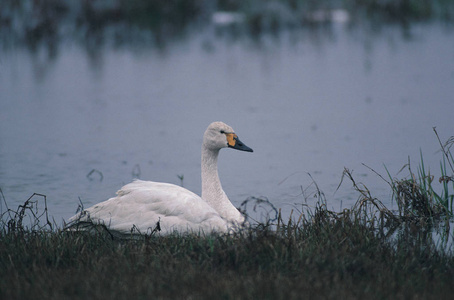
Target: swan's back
point(142, 204)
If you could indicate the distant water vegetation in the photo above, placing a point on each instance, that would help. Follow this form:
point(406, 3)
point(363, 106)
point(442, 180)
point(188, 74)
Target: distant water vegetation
point(137, 23)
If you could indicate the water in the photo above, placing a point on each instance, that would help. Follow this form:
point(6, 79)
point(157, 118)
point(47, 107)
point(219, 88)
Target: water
point(307, 101)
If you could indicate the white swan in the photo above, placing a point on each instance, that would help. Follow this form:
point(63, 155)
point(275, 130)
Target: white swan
point(143, 205)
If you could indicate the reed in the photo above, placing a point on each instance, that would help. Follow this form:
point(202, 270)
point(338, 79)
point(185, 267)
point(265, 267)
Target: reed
point(417, 195)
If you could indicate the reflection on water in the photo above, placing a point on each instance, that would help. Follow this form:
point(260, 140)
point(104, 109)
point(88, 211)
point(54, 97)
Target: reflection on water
point(84, 88)
point(48, 26)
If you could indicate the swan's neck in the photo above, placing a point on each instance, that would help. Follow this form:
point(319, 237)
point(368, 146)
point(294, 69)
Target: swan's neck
point(212, 191)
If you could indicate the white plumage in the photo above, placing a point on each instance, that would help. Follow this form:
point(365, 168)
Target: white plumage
point(142, 205)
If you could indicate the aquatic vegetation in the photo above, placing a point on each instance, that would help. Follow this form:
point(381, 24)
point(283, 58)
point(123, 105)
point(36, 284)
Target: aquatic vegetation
point(153, 22)
point(407, 10)
point(417, 195)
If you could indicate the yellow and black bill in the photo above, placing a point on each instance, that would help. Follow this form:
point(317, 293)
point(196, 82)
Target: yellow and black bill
point(235, 143)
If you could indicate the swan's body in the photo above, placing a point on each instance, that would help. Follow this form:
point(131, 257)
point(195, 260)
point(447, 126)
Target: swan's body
point(142, 205)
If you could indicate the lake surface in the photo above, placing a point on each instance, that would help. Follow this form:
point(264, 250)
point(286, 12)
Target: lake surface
point(306, 100)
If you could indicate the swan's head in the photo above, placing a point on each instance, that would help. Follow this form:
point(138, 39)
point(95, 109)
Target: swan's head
point(220, 135)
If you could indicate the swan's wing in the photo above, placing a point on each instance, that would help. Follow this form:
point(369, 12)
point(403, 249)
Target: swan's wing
point(142, 204)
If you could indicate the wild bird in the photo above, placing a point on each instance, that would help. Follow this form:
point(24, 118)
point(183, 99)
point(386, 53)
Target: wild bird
point(146, 206)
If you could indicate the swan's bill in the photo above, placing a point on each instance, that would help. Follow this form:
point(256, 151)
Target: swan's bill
point(235, 143)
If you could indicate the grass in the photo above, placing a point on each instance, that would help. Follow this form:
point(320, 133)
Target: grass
point(322, 258)
point(365, 252)
point(417, 195)
point(323, 254)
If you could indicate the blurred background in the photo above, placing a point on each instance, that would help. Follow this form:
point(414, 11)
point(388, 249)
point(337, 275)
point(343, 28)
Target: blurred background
point(96, 93)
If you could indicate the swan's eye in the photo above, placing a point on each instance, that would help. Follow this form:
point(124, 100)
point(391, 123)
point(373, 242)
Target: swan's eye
point(222, 131)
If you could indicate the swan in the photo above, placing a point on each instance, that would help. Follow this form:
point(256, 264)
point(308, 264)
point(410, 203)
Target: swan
point(144, 206)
